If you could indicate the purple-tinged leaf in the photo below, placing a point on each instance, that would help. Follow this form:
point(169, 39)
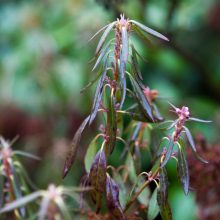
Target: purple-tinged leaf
point(192, 144)
point(143, 102)
point(182, 168)
point(190, 138)
point(98, 94)
point(168, 153)
point(153, 209)
point(162, 196)
point(84, 182)
point(97, 178)
point(112, 196)
point(149, 30)
point(21, 202)
point(104, 36)
point(102, 54)
point(74, 147)
point(123, 81)
point(199, 120)
point(100, 30)
point(125, 43)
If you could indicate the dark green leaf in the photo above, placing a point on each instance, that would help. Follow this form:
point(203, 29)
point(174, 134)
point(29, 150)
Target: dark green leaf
point(104, 36)
point(142, 99)
point(153, 209)
point(112, 195)
point(112, 124)
point(74, 147)
point(97, 177)
point(168, 153)
point(183, 171)
point(149, 30)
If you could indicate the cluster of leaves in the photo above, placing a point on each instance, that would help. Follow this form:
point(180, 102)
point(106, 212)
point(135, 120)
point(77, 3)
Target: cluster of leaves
point(16, 195)
point(117, 61)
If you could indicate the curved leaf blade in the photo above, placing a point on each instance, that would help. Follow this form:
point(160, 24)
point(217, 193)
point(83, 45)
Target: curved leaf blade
point(97, 178)
point(104, 36)
point(149, 30)
point(142, 99)
point(74, 147)
point(183, 170)
point(168, 153)
point(112, 195)
point(153, 209)
point(21, 202)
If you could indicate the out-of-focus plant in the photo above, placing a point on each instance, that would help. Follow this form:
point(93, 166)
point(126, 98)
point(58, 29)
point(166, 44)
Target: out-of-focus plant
point(53, 203)
point(14, 181)
point(116, 60)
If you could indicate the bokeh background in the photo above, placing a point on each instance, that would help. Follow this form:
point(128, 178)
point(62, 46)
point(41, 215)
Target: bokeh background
point(44, 62)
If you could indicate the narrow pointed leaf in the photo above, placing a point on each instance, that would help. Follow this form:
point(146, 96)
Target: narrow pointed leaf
point(125, 43)
point(97, 178)
point(199, 120)
point(21, 202)
point(112, 195)
point(123, 82)
point(100, 30)
point(190, 139)
point(149, 30)
point(153, 209)
point(25, 154)
point(143, 37)
point(168, 153)
point(135, 63)
point(98, 94)
point(183, 170)
point(104, 36)
point(157, 114)
point(17, 187)
point(112, 124)
point(102, 54)
point(142, 99)
point(74, 147)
